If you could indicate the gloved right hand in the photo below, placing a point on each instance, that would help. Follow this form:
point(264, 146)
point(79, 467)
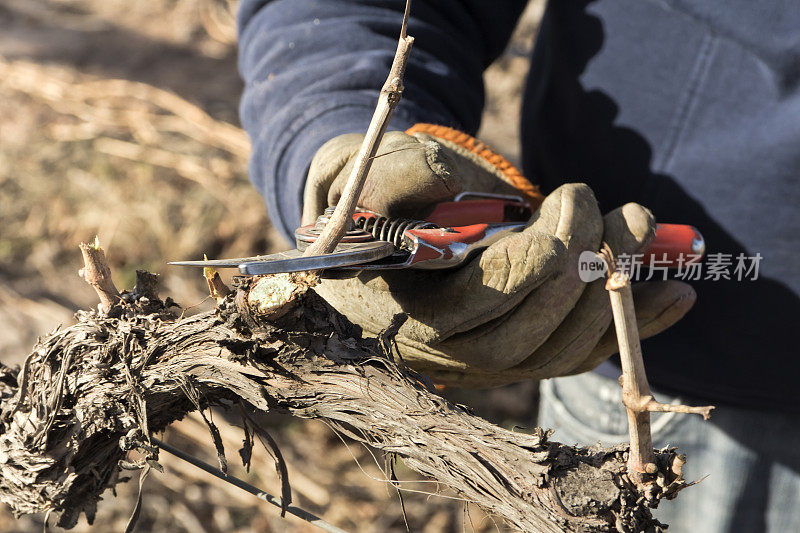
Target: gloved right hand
point(519, 310)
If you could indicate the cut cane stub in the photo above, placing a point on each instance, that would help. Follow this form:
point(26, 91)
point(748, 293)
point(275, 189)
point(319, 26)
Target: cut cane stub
point(274, 295)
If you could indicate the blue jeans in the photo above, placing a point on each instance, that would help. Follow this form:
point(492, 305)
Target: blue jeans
point(752, 458)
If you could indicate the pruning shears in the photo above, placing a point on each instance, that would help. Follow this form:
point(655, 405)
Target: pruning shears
point(448, 237)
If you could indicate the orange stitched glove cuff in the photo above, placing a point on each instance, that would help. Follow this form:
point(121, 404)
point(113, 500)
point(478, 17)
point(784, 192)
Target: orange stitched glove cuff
point(528, 190)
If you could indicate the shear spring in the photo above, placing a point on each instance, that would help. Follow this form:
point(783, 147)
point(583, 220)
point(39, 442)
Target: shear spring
point(389, 229)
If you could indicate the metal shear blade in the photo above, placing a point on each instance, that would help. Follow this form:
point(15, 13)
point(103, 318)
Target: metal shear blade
point(345, 254)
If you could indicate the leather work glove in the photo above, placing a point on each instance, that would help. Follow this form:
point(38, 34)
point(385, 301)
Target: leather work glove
point(517, 311)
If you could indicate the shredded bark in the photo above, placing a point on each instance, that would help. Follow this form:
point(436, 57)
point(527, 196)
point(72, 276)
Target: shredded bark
point(90, 393)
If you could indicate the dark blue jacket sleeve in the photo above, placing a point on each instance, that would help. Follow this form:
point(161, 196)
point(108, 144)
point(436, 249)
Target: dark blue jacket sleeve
point(313, 68)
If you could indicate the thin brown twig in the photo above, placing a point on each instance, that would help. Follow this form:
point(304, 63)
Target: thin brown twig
point(657, 407)
point(634, 381)
point(636, 394)
point(389, 97)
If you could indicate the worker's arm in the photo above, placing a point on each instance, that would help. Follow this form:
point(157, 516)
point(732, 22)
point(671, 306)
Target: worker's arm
point(519, 310)
point(312, 71)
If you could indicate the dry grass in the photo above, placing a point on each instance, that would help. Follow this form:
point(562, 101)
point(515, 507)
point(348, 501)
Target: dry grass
point(118, 119)
point(155, 176)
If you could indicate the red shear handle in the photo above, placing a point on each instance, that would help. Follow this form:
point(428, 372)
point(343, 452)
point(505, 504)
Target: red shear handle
point(674, 245)
point(484, 211)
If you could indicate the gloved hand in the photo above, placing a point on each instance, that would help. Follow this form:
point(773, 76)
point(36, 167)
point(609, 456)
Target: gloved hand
point(519, 310)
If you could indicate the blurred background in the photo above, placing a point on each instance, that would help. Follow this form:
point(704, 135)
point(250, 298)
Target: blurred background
point(119, 119)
